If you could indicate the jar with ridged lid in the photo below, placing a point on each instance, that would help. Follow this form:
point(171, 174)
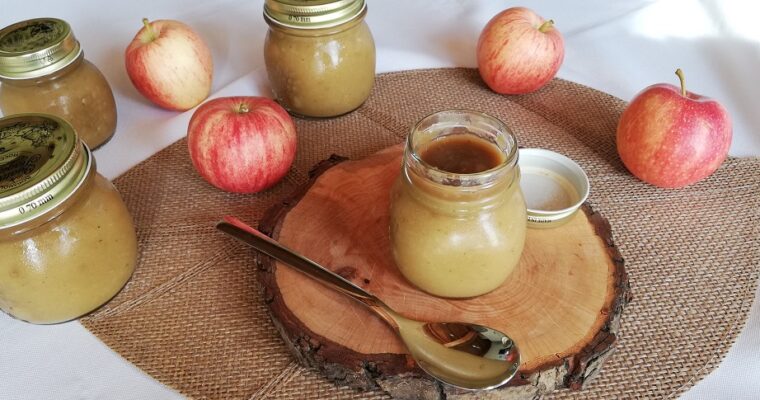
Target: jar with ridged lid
point(43, 70)
point(67, 241)
point(319, 55)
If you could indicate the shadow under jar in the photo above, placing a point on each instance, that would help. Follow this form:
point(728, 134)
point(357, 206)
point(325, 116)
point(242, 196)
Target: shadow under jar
point(458, 216)
point(319, 55)
point(43, 70)
point(67, 241)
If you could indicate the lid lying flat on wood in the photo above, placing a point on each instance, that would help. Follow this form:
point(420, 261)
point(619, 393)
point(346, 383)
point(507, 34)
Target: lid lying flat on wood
point(554, 187)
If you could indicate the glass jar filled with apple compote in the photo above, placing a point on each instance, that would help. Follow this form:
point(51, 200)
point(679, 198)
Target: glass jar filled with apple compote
point(67, 242)
point(458, 217)
point(43, 70)
point(320, 55)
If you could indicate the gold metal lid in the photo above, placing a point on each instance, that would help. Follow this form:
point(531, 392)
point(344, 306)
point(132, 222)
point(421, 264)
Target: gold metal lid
point(36, 47)
point(312, 14)
point(42, 163)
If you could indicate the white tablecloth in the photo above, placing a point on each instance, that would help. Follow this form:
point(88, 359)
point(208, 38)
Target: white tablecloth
point(616, 47)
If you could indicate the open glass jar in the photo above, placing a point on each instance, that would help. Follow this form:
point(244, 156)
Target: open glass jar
point(43, 70)
point(67, 242)
point(319, 55)
point(457, 216)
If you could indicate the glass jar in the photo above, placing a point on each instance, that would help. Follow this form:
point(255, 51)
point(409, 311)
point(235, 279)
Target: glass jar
point(319, 55)
point(67, 242)
point(43, 70)
point(458, 216)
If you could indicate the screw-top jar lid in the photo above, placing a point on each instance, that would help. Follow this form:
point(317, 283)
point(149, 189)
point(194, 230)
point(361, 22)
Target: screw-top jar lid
point(554, 186)
point(36, 47)
point(312, 14)
point(42, 163)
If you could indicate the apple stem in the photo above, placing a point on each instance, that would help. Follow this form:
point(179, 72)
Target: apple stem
point(683, 81)
point(149, 29)
point(243, 108)
point(549, 24)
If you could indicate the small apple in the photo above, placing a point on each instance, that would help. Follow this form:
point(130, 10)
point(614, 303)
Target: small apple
point(241, 144)
point(519, 52)
point(672, 138)
point(169, 64)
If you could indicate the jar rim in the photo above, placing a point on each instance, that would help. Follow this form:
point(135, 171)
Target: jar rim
point(476, 179)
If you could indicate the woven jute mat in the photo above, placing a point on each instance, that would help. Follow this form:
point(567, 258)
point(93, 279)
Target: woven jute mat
point(193, 315)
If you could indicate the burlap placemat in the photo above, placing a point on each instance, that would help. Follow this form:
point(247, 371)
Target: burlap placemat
point(193, 315)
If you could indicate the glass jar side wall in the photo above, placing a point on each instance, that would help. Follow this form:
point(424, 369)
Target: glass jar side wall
point(321, 72)
point(69, 266)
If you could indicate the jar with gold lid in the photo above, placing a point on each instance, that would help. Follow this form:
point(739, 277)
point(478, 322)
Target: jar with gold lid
point(458, 216)
point(67, 242)
point(319, 55)
point(43, 70)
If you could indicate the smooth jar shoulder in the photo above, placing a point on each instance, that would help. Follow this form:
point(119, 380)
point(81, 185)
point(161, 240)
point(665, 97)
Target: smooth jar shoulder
point(79, 94)
point(71, 265)
point(321, 73)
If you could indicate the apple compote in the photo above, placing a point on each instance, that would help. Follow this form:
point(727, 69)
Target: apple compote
point(458, 216)
point(43, 70)
point(67, 242)
point(320, 58)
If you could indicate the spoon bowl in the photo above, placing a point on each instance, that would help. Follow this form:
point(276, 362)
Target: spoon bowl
point(467, 356)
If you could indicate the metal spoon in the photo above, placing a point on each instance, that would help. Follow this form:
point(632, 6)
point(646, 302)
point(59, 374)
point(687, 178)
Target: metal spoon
point(467, 356)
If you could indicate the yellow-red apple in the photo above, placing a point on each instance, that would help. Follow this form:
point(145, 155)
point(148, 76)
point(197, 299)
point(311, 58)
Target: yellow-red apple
point(170, 64)
point(519, 52)
point(671, 138)
point(241, 144)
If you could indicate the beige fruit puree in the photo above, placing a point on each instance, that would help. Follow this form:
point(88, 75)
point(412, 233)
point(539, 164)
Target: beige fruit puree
point(67, 242)
point(320, 71)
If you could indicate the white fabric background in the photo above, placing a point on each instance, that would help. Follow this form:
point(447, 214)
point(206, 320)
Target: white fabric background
point(616, 47)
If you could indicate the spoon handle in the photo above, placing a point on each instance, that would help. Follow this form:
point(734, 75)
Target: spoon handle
point(263, 243)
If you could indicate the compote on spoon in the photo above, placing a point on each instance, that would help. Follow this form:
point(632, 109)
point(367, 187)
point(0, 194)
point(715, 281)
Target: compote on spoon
point(467, 356)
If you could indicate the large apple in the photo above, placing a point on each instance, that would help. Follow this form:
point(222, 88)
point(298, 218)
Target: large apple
point(519, 52)
point(170, 64)
point(241, 144)
point(672, 138)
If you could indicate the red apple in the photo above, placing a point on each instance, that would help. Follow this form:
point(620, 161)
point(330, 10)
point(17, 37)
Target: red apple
point(241, 144)
point(672, 138)
point(519, 52)
point(170, 65)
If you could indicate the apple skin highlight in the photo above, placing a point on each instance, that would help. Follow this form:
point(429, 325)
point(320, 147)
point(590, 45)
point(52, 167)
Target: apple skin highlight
point(672, 138)
point(519, 52)
point(170, 65)
point(242, 144)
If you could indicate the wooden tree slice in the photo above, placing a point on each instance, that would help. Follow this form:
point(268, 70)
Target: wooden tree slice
point(561, 305)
